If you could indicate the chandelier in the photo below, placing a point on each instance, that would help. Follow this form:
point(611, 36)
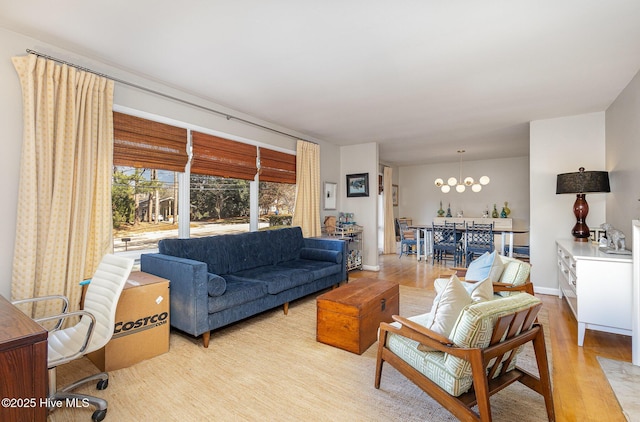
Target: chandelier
point(462, 185)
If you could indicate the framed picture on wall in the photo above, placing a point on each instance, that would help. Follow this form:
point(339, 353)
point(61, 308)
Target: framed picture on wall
point(357, 185)
point(330, 189)
point(394, 195)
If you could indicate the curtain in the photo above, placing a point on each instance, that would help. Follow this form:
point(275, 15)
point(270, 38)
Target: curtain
point(306, 212)
point(64, 224)
point(389, 226)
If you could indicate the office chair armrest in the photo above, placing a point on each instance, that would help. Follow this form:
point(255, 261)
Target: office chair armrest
point(64, 299)
point(87, 338)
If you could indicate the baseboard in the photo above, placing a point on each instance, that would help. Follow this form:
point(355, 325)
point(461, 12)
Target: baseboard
point(371, 267)
point(547, 291)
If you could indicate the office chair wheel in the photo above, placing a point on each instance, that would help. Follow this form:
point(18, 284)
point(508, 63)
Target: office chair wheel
point(99, 415)
point(102, 384)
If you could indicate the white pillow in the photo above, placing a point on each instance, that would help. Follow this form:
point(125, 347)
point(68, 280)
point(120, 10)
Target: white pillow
point(487, 265)
point(448, 305)
point(480, 291)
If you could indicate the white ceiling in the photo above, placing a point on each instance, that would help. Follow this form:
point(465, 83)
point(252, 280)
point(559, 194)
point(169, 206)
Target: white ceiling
point(422, 78)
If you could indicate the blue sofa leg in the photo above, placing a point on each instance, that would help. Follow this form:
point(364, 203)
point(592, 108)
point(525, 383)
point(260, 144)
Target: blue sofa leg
point(205, 339)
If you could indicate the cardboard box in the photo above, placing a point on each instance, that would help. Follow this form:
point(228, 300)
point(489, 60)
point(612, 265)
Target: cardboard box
point(142, 324)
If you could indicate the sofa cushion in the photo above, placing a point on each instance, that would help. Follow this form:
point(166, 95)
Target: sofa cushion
point(318, 269)
point(288, 242)
point(486, 265)
point(209, 249)
point(237, 293)
point(276, 278)
point(216, 285)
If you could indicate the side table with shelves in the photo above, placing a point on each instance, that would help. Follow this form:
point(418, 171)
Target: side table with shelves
point(352, 233)
point(597, 287)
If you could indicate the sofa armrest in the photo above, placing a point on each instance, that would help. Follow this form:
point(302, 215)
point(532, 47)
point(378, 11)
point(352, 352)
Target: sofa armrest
point(188, 290)
point(330, 244)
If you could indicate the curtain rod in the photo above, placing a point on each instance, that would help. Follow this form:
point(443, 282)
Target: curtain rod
point(171, 97)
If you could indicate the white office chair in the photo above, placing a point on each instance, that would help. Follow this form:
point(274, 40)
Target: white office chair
point(92, 332)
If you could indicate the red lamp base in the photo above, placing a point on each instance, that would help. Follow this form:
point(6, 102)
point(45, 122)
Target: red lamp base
point(580, 231)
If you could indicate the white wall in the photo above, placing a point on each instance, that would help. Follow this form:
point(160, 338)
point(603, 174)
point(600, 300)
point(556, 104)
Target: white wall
point(623, 155)
point(419, 198)
point(362, 158)
point(14, 44)
point(560, 145)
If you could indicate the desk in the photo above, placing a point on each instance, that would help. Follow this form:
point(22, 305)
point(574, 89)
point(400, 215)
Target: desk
point(23, 365)
point(424, 232)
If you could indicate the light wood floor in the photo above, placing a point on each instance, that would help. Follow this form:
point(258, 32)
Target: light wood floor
point(581, 391)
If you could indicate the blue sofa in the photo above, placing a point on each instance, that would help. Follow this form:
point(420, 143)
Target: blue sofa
point(218, 280)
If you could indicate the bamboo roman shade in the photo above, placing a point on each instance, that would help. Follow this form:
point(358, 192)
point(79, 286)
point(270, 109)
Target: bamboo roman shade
point(277, 166)
point(143, 143)
point(215, 156)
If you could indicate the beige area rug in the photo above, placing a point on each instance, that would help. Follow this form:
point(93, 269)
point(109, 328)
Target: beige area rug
point(270, 367)
point(624, 379)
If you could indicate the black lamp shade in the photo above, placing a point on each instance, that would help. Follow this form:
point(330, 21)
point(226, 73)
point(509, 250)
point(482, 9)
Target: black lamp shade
point(583, 182)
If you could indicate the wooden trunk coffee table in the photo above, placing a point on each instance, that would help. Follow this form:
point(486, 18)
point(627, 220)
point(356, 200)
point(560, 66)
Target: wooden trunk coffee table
point(349, 316)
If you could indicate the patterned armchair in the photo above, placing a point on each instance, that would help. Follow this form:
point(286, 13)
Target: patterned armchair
point(476, 361)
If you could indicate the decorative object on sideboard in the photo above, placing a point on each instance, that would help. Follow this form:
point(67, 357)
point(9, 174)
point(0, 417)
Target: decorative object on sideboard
point(440, 211)
point(506, 208)
point(449, 211)
point(580, 183)
point(494, 214)
point(615, 240)
point(357, 185)
point(461, 184)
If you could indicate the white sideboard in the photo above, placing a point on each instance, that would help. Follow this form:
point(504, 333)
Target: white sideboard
point(597, 287)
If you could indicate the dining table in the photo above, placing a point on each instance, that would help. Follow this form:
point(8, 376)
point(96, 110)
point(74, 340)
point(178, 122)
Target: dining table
point(424, 237)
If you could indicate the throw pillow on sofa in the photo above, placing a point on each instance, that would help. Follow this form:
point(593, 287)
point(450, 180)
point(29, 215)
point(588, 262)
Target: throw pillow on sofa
point(216, 285)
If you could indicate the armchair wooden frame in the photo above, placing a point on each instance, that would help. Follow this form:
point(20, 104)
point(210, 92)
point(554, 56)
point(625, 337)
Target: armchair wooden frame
point(517, 329)
point(498, 287)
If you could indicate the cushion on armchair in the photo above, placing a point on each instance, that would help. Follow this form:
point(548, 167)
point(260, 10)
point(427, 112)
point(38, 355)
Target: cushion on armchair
point(516, 272)
point(486, 265)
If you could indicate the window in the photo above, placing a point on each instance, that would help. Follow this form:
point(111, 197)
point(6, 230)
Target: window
point(149, 176)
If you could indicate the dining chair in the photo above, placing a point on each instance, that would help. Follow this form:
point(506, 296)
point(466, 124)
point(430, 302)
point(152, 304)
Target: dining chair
point(408, 242)
point(446, 241)
point(478, 240)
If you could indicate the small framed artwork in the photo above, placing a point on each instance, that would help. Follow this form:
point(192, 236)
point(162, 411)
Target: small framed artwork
point(394, 195)
point(330, 189)
point(357, 185)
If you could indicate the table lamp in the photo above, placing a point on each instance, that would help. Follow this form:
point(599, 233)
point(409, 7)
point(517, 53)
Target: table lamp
point(580, 183)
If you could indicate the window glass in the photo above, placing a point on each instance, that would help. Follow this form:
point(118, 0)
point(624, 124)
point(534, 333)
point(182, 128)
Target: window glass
point(276, 202)
point(144, 203)
point(219, 205)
